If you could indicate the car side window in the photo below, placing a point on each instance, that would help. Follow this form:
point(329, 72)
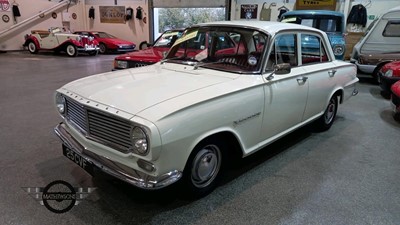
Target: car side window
point(312, 49)
point(392, 29)
point(284, 50)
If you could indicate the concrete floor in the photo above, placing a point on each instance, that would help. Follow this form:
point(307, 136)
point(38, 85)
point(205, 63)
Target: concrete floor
point(347, 175)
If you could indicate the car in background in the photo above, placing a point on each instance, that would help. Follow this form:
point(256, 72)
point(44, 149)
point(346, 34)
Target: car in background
point(379, 45)
point(57, 40)
point(388, 74)
point(109, 43)
point(209, 101)
point(331, 22)
point(150, 55)
point(395, 100)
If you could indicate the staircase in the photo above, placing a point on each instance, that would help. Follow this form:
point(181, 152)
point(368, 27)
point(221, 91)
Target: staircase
point(26, 22)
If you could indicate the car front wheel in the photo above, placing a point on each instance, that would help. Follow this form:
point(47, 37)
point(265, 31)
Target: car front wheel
point(326, 120)
point(32, 47)
point(103, 48)
point(71, 50)
point(204, 167)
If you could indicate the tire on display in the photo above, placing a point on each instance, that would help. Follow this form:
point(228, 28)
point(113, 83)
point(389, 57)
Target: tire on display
point(326, 120)
point(103, 48)
point(204, 167)
point(143, 45)
point(71, 50)
point(32, 47)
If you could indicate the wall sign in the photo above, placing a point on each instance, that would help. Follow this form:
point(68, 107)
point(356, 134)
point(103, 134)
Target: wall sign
point(112, 14)
point(248, 11)
point(316, 4)
point(5, 5)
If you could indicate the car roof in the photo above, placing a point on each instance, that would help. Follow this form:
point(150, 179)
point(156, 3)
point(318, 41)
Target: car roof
point(313, 12)
point(266, 26)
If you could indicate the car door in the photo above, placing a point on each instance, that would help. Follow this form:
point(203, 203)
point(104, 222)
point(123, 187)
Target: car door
point(320, 73)
point(286, 94)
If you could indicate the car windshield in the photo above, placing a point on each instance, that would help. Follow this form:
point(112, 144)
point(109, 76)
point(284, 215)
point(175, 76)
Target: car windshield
point(228, 49)
point(104, 35)
point(325, 23)
point(168, 38)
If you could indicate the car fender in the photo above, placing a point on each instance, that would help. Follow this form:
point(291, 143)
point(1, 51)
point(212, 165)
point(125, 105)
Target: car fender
point(34, 39)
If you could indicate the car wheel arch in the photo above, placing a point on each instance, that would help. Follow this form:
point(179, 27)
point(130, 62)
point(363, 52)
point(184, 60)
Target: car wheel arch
point(206, 163)
point(228, 136)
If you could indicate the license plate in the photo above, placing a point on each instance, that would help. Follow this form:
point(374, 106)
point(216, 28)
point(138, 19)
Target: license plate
point(78, 159)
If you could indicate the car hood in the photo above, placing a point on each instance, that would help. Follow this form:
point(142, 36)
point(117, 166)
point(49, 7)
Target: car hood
point(336, 39)
point(135, 90)
point(147, 55)
point(118, 41)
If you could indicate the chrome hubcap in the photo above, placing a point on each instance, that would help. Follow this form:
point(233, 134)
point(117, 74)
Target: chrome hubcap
point(71, 50)
point(330, 111)
point(206, 166)
point(32, 47)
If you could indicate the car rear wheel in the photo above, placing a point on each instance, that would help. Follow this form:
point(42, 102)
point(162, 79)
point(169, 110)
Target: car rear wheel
point(32, 47)
point(326, 120)
point(71, 50)
point(103, 48)
point(204, 167)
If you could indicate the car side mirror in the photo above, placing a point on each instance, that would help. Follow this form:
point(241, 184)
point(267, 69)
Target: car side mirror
point(280, 69)
point(283, 68)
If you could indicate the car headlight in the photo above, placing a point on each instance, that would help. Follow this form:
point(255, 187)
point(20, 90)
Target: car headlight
point(60, 103)
point(389, 73)
point(120, 64)
point(79, 38)
point(338, 49)
point(139, 141)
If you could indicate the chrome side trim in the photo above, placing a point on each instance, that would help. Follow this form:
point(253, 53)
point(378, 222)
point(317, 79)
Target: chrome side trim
point(115, 169)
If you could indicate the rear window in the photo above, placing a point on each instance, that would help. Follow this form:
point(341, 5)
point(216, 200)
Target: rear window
point(392, 29)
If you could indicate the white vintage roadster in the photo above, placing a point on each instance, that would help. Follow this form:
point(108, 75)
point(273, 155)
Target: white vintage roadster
point(56, 40)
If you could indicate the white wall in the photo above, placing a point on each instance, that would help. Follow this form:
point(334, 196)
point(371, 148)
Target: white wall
point(376, 7)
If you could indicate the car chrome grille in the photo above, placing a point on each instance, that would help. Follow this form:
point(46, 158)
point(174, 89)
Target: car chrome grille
point(98, 126)
point(137, 64)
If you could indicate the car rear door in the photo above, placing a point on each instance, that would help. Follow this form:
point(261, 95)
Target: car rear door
point(320, 72)
point(286, 94)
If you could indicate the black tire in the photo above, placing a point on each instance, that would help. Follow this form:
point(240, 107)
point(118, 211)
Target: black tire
point(103, 48)
point(375, 74)
point(326, 120)
point(396, 116)
point(204, 167)
point(32, 48)
point(93, 53)
point(71, 50)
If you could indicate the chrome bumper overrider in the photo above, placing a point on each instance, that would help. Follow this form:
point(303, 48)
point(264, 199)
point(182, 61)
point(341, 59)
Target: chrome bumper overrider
point(115, 169)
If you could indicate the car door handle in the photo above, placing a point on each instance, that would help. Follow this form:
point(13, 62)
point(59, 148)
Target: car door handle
point(332, 73)
point(302, 79)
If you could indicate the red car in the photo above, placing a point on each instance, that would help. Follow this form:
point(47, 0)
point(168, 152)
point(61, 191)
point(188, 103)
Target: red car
point(388, 75)
point(154, 53)
point(396, 100)
point(108, 42)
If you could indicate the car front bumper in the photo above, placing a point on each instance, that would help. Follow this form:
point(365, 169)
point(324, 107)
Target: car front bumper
point(115, 169)
point(386, 82)
point(88, 48)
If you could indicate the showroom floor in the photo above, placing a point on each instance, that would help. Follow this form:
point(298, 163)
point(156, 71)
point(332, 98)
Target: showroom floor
point(347, 175)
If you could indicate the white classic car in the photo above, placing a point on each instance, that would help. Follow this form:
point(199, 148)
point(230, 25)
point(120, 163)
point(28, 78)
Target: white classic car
point(211, 98)
point(55, 39)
